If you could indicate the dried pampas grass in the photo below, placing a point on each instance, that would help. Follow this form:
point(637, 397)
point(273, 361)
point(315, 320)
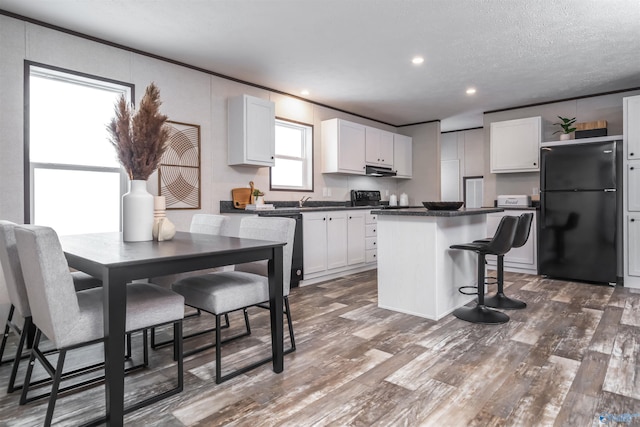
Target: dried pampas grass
point(139, 139)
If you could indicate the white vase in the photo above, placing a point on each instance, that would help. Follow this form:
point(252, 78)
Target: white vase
point(565, 136)
point(259, 200)
point(137, 213)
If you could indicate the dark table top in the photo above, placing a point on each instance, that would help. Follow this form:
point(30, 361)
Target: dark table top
point(108, 249)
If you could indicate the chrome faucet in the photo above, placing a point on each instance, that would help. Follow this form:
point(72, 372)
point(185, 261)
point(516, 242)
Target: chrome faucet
point(304, 199)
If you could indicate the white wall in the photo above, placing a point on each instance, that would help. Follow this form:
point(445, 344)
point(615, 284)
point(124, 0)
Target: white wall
point(188, 96)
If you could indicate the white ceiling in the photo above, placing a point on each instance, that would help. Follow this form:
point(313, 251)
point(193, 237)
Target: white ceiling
point(355, 55)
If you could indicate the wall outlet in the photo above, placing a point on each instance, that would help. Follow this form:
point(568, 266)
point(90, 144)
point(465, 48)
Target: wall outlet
point(535, 191)
point(386, 193)
point(329, 192)
point(324, 191)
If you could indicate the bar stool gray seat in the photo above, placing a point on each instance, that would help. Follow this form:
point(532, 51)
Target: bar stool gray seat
point(500, 300)
point(498, 245)
point(224, 292)
point(71, 319)
point(11, 267)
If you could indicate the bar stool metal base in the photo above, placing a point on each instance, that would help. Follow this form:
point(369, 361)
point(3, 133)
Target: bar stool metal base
point(500, 300)
point(480, 314)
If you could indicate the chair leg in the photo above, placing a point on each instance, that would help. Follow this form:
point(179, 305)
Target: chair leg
point(246, 321)
point(218, 351)
point(480, 313)
point(54, 388)
point(290, 324)
point(177, 353)
point(127, 354)
point(32, 361)
point(28, 322)
point(145, 347)
point(500, 300)
point(5, 336)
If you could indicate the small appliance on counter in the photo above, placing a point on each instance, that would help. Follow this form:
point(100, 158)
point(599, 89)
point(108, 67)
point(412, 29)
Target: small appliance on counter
point(372, 198)
point(514, 201)
point(365, 198)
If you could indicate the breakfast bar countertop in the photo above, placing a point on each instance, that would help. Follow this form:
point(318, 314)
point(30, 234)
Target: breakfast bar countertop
point(427, 212)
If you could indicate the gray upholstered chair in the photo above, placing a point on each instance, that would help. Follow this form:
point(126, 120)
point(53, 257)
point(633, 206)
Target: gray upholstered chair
point(223, 292)
point(71, 319)
point(17, 291)
point(203, 224)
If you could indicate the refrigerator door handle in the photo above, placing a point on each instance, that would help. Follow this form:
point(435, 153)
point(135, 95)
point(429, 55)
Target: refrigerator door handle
point(609, 190)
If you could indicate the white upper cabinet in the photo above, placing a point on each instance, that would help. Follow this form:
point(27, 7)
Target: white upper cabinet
point(378, 147)
point(402, 156)
point(515, 145)
point(251, 131)
point(343, 147)
point(632, 127)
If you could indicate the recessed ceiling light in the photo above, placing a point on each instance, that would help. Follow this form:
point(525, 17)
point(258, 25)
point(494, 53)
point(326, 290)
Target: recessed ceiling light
point(304, 92)
point(471, 91)
point(417, 60)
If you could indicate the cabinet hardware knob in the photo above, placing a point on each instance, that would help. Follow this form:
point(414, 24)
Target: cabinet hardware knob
point(534, 164)
point(324, 219)
point(633, 220)
point(631, 154)
point(374, 230)
point(374, 243)
point(349, 217)
point(330, 219)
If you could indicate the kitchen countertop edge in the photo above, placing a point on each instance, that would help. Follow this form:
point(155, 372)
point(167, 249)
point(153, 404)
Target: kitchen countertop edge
point(442, 213)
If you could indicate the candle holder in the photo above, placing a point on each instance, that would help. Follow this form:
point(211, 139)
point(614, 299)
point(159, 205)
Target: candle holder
point(163, 229)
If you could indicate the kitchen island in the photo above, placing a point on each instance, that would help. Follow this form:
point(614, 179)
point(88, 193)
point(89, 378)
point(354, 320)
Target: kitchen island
point(417, 272)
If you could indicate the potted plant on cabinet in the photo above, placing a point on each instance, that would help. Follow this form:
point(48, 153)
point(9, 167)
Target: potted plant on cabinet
point(258, 197)
point(566, 125)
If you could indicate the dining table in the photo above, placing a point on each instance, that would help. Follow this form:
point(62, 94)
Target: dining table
point(116, 262)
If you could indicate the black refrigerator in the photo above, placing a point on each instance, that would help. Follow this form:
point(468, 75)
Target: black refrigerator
point(580, 207)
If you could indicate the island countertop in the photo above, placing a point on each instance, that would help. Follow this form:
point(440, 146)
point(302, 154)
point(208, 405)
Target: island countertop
point(427, 212)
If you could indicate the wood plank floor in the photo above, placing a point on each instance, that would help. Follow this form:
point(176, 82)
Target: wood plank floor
point(571, 357)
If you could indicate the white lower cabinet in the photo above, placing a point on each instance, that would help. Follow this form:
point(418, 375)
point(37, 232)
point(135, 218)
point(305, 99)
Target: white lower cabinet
point(523, 259)
point(371, 237)
point(336, 239)
point(335, 242)
point(633, 245)
point(355, 237)
point(314, 244)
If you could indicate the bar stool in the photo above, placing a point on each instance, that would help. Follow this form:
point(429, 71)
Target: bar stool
point(500, 300)
point(498, 245)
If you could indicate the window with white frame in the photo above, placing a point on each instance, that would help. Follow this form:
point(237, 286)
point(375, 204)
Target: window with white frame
point(293, 168)
point(75, 182)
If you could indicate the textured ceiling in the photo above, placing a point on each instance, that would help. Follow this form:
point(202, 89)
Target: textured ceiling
point(355, 55)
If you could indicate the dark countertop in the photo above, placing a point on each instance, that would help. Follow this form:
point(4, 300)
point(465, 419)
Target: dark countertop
point(426, 212)
point(291, 208)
